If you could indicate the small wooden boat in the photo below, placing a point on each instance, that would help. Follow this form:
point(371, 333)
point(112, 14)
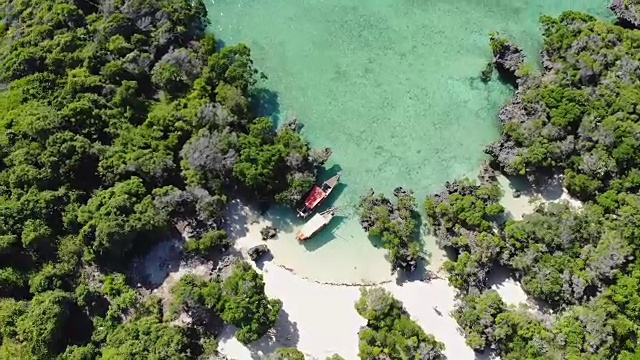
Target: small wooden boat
point(315, 224)
point(317, 195)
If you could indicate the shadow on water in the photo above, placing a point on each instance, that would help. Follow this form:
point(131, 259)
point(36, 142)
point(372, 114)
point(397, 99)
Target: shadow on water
point(285, 220)
point(327, 234)
point(220, 44)
point(264, 102)
point(335, 194)
point(332, 171)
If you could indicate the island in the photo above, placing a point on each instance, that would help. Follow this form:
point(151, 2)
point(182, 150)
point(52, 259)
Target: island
point(128, 131)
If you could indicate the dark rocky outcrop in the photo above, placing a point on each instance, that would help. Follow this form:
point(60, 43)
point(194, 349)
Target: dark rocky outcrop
point(485, 74)
point(486, 173)
point(256, 252)
point(320, 156)
point(268, 232)
point(627, 12)
point(225, 266)
point(367, 220)
point(294, 125)
point(507, 58)
point(503, 153)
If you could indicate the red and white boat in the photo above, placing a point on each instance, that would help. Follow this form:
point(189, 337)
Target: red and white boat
point(317, 195)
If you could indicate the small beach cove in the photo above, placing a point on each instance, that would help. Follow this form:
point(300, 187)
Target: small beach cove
point(317, 292)
point(392, 88)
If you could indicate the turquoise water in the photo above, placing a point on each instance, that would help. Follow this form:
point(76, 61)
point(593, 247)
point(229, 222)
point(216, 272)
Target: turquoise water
point(392, 86)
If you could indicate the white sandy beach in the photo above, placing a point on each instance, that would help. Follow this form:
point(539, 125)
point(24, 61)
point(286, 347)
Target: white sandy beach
point(319, 286)
point(527, 201)
point(320, 319)
point(333, 256)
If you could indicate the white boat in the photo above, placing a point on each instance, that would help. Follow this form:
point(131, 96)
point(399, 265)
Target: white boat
point(315, 224)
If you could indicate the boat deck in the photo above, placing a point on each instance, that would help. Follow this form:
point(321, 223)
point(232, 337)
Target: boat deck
point(314, 197)
point(313, 225)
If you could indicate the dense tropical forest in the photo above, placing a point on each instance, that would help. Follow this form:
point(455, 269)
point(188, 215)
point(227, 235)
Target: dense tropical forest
point(575, 124)
point(118, 120)
point(122, 120)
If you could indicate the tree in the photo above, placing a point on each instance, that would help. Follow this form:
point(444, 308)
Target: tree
point(286, 354)
point(119, 120)
point(476, 314)
point(114, 218)
point(146, 338)
point(41, 327)
point(245, 305)
point(395, 224)
point(390, 333)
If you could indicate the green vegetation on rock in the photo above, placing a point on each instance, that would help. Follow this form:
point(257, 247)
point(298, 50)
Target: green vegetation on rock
point(394, 224)
point(576, 125)
point(390, 333)
point(238, 300)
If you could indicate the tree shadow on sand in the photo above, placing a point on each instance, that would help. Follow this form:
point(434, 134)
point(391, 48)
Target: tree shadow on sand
point(549, 191)
point(283, 334)
point(486, 355)
point(238, 217)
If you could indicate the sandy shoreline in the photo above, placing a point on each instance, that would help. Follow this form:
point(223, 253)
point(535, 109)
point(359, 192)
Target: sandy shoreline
point(321, 320)
point(319, 317)
point(318, 289)
point(319, 286)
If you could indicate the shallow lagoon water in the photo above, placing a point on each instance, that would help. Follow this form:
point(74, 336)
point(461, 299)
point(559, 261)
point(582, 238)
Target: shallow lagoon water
point(391, 86)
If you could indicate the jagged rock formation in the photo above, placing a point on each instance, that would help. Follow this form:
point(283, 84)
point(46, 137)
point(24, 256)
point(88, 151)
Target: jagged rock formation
point(627, 12)
point(294, 125)
point(257, 251)
point(486, 173)
point(225, 266)
point(320, 156)
point(268, 232)
point(507, 58)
